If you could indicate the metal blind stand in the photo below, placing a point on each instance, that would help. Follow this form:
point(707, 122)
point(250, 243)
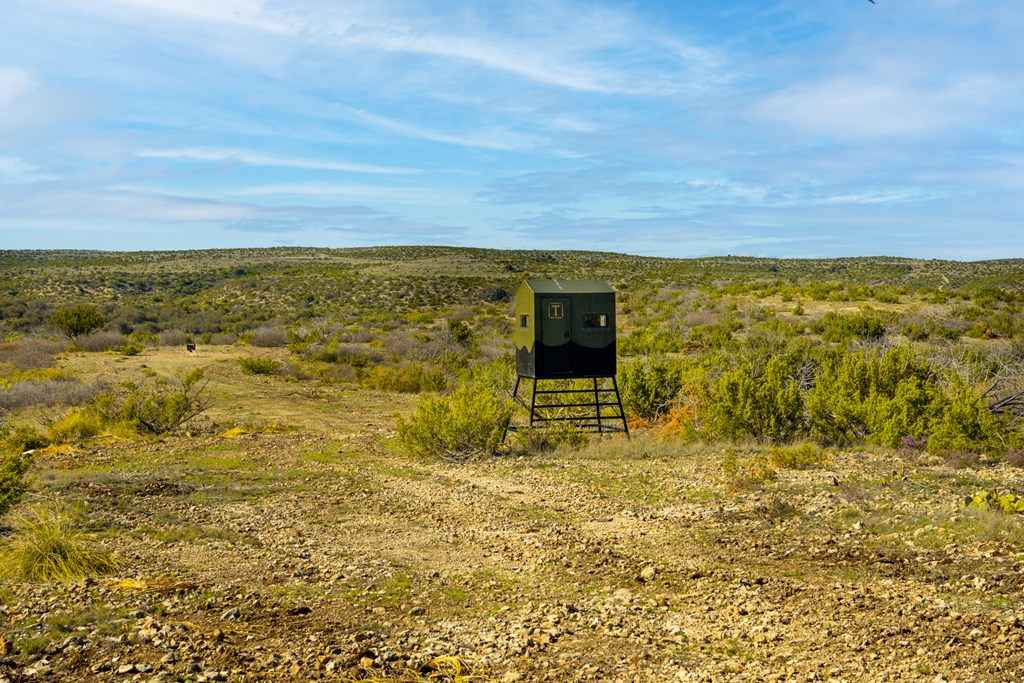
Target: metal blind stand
point(599, 412)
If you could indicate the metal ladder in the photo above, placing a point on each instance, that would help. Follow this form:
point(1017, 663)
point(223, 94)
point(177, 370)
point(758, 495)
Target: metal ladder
point(600, 414)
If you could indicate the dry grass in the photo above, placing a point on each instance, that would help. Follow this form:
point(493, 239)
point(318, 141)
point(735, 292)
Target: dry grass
point(439, 670)
point(51, 544)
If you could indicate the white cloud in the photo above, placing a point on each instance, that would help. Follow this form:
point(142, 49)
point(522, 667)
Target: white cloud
point(251, 14)
point(258, 159)
point(15, 169)
point(878, 105)
point(496, 138)
point(14, 82)
point(380, 193)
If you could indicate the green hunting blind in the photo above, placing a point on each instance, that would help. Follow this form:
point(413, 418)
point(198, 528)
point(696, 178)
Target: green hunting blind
point(565, 330)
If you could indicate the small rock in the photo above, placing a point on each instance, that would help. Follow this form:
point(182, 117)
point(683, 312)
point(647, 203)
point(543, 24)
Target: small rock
point(126, 669)
point(233, 613)
point(511, 677)
point(647, 574)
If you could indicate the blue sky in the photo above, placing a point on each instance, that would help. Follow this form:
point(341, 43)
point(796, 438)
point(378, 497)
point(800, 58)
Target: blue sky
point(791, 128)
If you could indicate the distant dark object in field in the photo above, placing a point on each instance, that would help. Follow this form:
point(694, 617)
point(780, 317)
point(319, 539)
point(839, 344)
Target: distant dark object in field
point(190, 347)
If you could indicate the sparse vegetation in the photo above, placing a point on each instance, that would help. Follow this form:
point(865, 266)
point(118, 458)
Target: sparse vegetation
point(833, 437)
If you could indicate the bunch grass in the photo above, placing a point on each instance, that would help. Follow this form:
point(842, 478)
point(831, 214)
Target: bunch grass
point(50, 543)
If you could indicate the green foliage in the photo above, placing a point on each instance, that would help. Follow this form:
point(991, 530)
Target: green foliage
point(77, 424)
point(966, 425)
point(867, 324)
point(16, 439)
point(802, 457)
point(747, 473)
point(155, 405)
point(50, 544)
point(652, 340)
point(878, 397)
point(131, 348)
point(75, 321)
point(408, 379)
point(649, 385)
point(547, 439)
point(469, 420)
point(258, 366)
point(760, 402)
point(13, 485)
point(715, 336)
point(462, 332)
point(990, 500)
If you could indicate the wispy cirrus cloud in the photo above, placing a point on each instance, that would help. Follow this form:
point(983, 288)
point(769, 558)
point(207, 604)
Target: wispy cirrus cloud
point(879, 105)
point(261, 159)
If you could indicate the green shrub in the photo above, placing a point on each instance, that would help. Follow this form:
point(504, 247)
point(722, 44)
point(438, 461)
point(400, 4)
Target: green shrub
point(649, 385)
point(867, 324)
point(15, 440)
point(407, 379)
point(747, 473)
point(13, 485)
point(75, 321)
point(764, 403)
point(131, 348)
point(469, 420)
point(881, 398)
point(648, 340)
point(802, 457)
point(258, 366)
point(156, 405)
point(966, 425)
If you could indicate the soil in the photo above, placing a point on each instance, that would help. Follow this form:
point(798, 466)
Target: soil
point(323, 553)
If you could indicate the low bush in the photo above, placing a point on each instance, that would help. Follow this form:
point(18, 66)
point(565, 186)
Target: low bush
point(867, 324)
point(467, 421)
point(173, 338)
point(155, 405)
point(649, 385)
point(59, 390)
point(259, 366)
point(75, 321)
point(747, 473)
point(802, 457)
point(760, 402)
point(267, 337)
point(966, 425)
point(407, 379)
point(13, 484)
point(30, 354)
point(77, 424)
point(98, 342)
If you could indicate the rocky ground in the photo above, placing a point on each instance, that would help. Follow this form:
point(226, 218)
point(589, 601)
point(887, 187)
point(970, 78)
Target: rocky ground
point(304, 556)
point(322, 553)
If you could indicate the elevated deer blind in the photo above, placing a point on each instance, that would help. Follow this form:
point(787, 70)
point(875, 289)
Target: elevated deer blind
point(565, 330)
